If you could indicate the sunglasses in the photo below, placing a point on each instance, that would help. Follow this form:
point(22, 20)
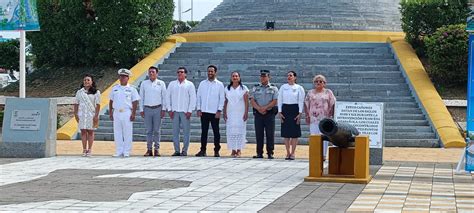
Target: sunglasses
point(318, 81)
point(180, 72)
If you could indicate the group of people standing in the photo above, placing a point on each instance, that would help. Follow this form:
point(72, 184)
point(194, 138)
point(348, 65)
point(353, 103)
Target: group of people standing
point(212, 100)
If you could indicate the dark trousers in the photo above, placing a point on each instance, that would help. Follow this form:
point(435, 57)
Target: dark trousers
point(265, 124)
point(205, 119)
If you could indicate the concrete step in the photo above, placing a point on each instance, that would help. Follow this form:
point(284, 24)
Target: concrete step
point(411, 135)
point(404, 116)
point(381, 15)
point(403, 111)
point(251, 133)
point(406, 123)
point(428, 143)
point(408, 129)
point(391, 118)
point(283, 61)
point(252, 80)
point(196, 68)
point(289, 47)
point(265, 55)
point(359, 72)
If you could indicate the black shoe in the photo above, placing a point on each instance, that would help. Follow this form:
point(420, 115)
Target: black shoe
point(216, 154)
point(157, 153)
point(184, 153)
point(258, 156)
point(201, 154)
point(270, 156)
point(148, 153)
point(176, 154)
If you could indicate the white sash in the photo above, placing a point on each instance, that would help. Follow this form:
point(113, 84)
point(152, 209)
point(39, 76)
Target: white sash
point(84, 97)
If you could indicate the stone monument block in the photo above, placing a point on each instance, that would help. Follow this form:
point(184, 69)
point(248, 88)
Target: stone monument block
point(29, 128)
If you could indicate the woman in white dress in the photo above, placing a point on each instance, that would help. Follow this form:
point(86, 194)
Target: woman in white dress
point(236, 107)
point(86, 112)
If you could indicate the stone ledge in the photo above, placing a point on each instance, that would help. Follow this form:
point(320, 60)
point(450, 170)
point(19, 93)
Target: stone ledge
point(455, 103)
point(60, 100)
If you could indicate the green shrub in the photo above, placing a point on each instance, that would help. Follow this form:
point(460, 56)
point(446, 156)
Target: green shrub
point(447, 49)
point(421, 18)
point(180, 27)
point(192, 24)
point(58, 121)
point(10, 54)
point(183, 27)
point(1, 118)
point(99, 32)
point(128, 30)
point(60, 40)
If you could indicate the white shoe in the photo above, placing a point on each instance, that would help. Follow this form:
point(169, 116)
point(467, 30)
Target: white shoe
point(126, 155)
point(117, 155)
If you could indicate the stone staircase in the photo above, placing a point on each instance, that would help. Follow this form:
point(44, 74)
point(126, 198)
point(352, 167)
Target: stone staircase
point(363, 72)
point(365, 15)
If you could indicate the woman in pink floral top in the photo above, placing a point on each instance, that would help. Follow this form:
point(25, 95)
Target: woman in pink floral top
point(319, 104)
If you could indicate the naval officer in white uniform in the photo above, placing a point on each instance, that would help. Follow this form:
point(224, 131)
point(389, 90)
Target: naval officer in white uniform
point(122, 108)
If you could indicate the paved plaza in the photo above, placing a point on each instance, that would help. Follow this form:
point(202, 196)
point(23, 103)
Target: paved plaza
point(216, 184)
point(70, 183)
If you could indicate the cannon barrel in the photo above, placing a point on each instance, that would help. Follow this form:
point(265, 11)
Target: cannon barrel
point(339, 134)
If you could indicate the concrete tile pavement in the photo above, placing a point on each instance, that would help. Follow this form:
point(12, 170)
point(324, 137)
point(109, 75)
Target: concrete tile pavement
point(417, 187)
point(218, 184)
point(412, 179)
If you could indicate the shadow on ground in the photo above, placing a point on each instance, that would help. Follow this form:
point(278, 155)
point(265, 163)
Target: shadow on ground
point(83, 185)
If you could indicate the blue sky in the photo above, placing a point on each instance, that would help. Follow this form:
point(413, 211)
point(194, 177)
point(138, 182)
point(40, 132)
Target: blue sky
point(201, 9)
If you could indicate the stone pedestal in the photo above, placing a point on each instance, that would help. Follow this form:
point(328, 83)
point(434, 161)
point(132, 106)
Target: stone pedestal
point(29, 128)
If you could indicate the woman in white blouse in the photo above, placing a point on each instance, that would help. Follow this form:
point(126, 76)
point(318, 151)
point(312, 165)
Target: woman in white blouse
point(236, 109)
point(290, 107)
point(86, 112)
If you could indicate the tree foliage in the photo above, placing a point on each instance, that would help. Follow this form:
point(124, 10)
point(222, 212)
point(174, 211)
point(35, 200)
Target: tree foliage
point(10, 54)
point(447, 49)
point(99, 32)
point(421, 18)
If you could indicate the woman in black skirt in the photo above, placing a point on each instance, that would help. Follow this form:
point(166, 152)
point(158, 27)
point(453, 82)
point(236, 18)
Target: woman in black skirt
point(290, 107)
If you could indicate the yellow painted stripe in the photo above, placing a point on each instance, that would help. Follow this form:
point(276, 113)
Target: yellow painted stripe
point(429, 97)
point(291, 36)
point(68, 130)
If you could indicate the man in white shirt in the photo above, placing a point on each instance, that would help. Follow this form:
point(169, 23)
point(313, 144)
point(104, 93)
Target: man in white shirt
point(210, 102)
point(181, 101)
point(152, 109)
point(122, 107)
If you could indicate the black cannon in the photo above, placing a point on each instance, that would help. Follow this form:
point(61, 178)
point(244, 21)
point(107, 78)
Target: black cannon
point(339, 134)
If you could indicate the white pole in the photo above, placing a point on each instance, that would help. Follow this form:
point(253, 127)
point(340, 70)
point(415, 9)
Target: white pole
point(22, 64)
point(461, 161)
point(179, 10)
point(192, 10)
